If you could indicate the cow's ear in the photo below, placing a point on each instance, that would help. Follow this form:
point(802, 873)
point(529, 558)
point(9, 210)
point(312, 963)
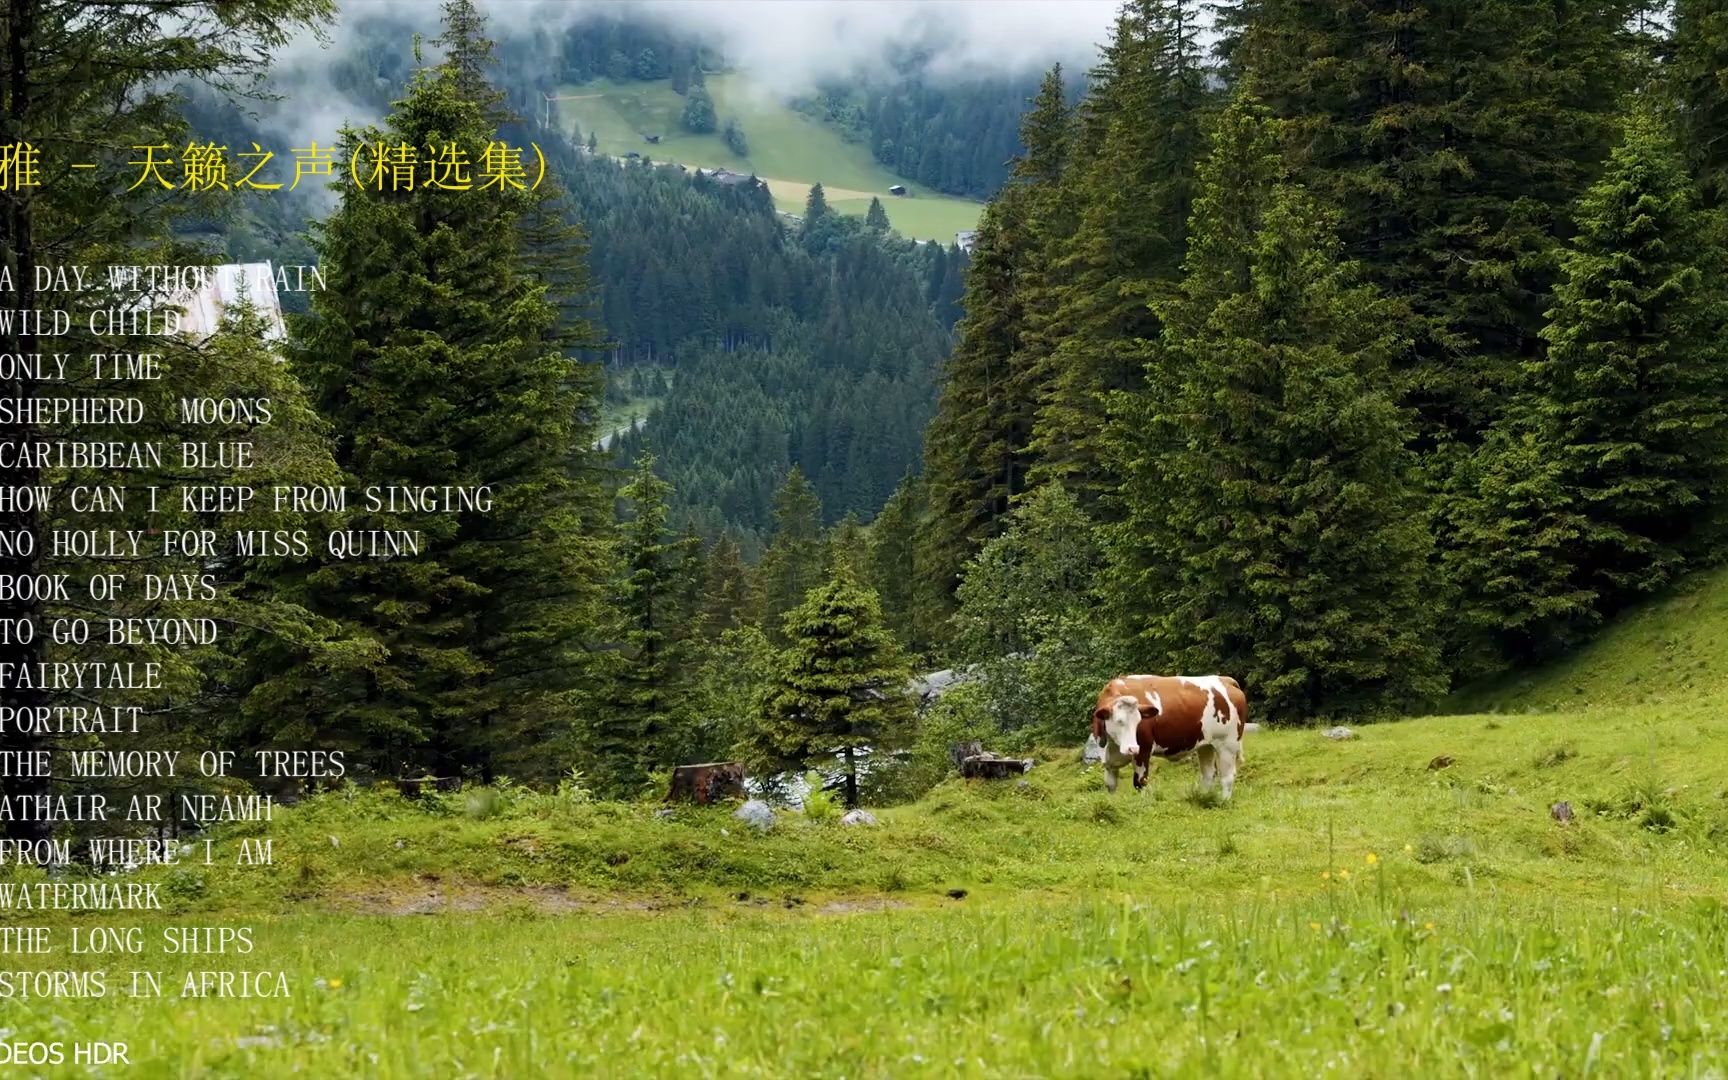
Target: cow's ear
point(1151, 708)
point(1100, 714)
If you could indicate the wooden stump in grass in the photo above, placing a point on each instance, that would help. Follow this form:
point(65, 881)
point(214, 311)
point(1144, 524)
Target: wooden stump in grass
point(707, 783)
point(991, 767)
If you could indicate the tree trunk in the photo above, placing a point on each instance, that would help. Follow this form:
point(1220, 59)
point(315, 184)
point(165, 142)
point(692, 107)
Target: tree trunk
point(851, 780)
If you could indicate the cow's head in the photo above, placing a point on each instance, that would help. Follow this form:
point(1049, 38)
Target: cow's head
point(1120, 723)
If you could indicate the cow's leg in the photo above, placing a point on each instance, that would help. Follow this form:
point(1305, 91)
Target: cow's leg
point(1142, 770)
point(1229, 756)
point(1206, 755)
point(1110, 778)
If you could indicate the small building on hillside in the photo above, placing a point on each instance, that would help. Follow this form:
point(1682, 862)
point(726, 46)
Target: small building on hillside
point(651, 138)
point(965, 240)
point(897, 189)
point(726, 176)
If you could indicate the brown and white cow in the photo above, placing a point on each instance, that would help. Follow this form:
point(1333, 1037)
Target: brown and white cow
point(1139, 716)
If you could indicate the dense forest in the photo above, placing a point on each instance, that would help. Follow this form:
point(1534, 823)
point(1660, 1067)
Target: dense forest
point(1354, 380)
point(816, 345)
point(1379, 349)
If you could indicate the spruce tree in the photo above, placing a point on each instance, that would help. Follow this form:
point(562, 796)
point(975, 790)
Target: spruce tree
point(1270, 528)
point(1697, 85)
point(876, 218)
point(637, 729)
point(794, 562)
point(1453, 137)
point(977, 448)
point(1135, 193)
point(725, 588)
point(698, 115)
point(439, 359)
point(842, 688)
point(92, 76)
point(896, 568)
point(1629, 408)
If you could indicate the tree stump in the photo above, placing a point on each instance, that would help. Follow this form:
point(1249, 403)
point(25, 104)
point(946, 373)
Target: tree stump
point(960, 751)
point(707, 783)
point(991, 767)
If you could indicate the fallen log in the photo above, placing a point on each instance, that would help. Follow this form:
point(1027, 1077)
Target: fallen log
point(992, 767)
point(707, 783)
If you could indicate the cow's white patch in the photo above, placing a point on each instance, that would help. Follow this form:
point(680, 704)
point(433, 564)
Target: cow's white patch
point(1121, 727)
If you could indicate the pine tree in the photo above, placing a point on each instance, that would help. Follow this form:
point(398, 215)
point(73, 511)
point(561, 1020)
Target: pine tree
point(1271, 530)
point(438, 357)
point(1698, 89)
point(637, 730)
point(90, 76)
point(815, 207)
point(842, 687)
point(977, 448)
point(1453, 137)
point(896, 570)
point(793, 563)
point(1126, 249)
point(847, 544)
point(725, 589)
point(1628, 411)
point(698, 115)
point(876, 217)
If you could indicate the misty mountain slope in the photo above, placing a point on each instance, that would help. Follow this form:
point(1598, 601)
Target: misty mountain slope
point(757, 134)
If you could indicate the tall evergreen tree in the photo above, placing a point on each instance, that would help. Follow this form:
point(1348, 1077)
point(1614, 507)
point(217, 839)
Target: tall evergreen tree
point(1697, 83)
point(1625, 419)
point(896, 570)
point(439, 359)
point(876, 218)
point(637, 728)
point(1270, 528)
point(97, 76)
point(1453, 136)
point(1135, 192)
point(793, 563)
point(842, 688)
point(977, 448)
point(725, 589)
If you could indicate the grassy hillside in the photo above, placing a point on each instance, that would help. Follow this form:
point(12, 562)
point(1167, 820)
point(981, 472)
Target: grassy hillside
point(1673, 649)
point(1353, 910)
point(787, 149)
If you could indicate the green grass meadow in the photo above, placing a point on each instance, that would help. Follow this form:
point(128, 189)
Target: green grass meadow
point(784, 145)
point(1353, 911)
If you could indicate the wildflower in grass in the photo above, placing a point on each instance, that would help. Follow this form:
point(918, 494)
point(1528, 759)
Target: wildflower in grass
point(1371, 859)
point(335, 984)
point(1313, 926)
point(1343, 875)
point(1427, 926)
point(1408, 849)
point(1325, 875)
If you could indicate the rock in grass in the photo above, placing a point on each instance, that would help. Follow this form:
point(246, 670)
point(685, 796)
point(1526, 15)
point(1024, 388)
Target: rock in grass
point(756, 814)
point(1339, 733)
point(1094, 752)
point(1562, 812)
point(858, 817)
point(663, 813)
point(1443, 761)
